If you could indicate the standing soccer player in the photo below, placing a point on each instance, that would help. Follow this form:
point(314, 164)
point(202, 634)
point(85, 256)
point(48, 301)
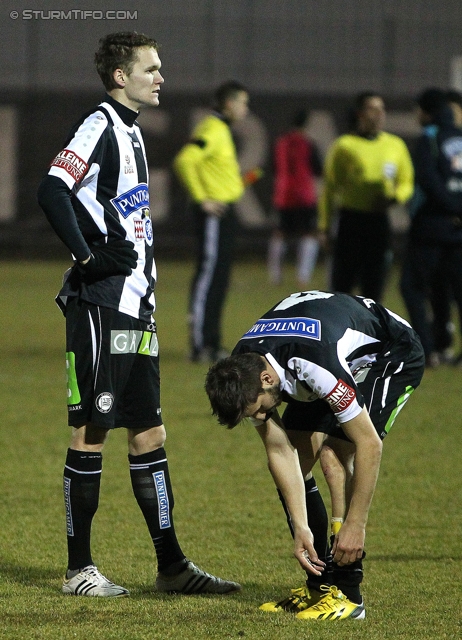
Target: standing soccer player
point(345, 366)
point(207, 166)
point(96, 198)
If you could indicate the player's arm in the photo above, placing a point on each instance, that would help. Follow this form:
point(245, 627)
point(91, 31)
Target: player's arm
point(284, 466)
point(54, 197)
point(349, 543)
point(330, 188)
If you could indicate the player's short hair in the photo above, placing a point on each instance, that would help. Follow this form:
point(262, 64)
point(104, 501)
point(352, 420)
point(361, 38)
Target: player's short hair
point(362, 98)
point(226, 91)
point(232, 384)
point(432, 101)
point(119, 51)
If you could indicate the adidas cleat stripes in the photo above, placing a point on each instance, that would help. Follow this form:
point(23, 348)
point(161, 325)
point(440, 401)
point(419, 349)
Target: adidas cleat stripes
point(194, 580)
point(90, 582)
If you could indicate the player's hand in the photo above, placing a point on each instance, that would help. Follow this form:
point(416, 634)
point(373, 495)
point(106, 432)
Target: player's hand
point(305, 553)
point(349, 544)
point(112, 259)
point(213, 208)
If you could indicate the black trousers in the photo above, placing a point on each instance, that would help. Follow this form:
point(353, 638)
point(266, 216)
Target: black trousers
point(362, 253)
point(209, 286)
point(424, 266)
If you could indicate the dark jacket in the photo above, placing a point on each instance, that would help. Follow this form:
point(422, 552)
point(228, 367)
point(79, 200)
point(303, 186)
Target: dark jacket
point(436, 207)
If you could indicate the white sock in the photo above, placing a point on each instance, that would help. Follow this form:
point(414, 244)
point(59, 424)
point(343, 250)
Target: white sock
point(276, 251)
point(306, 258)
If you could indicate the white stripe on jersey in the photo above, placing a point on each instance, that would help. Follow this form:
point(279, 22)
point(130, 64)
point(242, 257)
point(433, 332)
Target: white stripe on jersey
point(86, 194)
point(348, 343)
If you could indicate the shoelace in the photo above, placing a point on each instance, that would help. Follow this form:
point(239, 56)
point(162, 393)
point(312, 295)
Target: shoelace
point(94, 573)
point(333, 592)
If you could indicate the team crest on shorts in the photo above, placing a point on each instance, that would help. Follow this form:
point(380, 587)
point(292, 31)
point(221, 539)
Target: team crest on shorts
point(104, 402)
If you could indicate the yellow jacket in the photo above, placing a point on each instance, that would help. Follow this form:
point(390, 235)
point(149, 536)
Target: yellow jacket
point(359, 172)
point(207, 165)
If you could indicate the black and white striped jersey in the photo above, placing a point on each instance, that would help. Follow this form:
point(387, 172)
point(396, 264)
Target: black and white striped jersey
point(104, 166)
point(322, 344)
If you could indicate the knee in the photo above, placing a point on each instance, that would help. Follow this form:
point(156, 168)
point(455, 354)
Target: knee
point(146, 440)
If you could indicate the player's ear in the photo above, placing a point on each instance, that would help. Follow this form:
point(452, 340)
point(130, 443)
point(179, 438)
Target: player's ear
point(119, 78)
point(266, 377)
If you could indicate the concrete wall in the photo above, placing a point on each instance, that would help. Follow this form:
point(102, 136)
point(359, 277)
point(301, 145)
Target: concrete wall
point(330, 47)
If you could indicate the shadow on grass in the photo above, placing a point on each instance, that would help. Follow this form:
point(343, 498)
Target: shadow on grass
point(29, 576)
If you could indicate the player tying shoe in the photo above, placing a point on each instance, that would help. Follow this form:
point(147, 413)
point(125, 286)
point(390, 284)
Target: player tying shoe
point(96, 198)
point(345, 366)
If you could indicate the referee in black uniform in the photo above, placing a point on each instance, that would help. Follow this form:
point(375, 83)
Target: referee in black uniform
point(346, 367)
point(96, 198)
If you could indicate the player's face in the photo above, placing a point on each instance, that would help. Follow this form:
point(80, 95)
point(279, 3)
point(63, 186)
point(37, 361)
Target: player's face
point(142, 85)
point(371, 118)
point(266, 401)
point(237, 107)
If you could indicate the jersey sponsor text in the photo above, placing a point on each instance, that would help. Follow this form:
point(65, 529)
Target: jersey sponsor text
point(133, 200)
point(297, 327)
point(71, 163)
point(341, 396)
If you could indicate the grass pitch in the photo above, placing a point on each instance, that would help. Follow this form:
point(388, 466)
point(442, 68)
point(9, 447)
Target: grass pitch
point(227, 513)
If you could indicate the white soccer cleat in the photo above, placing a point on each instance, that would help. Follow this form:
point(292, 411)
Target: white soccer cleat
point(90, 582)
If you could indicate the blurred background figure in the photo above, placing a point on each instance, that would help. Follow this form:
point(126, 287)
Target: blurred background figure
point(297, 163)
point(432, 269)
point(454, 99)
point(208, 168)
point(366, 171)
point(441, 296)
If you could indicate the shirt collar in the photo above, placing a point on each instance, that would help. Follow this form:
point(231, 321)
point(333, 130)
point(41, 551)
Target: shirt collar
point(128, 116)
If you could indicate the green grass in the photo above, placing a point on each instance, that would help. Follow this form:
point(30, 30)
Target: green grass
point(227, 515)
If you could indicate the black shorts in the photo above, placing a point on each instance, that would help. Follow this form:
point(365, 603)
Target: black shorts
point(296, 221)
point(386, 387)
point(112, 368)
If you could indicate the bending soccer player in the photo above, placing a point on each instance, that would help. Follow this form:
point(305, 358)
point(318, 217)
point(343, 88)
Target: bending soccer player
point(345, 366)
point(97, 200)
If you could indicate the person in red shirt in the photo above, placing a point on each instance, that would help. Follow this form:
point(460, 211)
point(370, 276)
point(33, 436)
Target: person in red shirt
point(297, 163)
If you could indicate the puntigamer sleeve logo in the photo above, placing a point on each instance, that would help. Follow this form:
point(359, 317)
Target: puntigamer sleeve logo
point(298, 327)
point(71, 163)
point(341, 396)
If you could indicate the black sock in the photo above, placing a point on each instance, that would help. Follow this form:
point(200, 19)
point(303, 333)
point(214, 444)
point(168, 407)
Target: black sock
point(82, 476)
point(153, 492)
point(348, 579)
point(318, 523)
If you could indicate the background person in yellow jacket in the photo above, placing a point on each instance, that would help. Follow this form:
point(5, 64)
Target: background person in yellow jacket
point(365, 172)
point(208, 167)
